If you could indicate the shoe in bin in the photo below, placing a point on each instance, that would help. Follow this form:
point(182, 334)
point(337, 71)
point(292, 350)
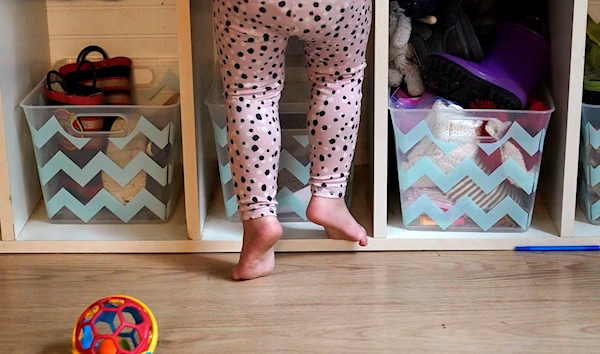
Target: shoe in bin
point(452, 34)
point(514, 67)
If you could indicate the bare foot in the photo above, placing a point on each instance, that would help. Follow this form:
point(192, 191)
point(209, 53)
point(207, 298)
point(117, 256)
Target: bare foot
point(258, 252)
point(334, 216)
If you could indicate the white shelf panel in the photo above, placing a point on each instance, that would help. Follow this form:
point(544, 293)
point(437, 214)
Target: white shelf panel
point(39, 228)
point(320, 245)
point(583, 228)
point(219, 228)
point(542, 226)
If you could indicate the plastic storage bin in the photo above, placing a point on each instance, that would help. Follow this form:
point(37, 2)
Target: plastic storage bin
point(294, 165)
point(131, 174)
point(589, 162)
point(469, 170)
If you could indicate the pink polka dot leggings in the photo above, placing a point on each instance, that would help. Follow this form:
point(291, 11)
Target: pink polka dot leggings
point(251, 37)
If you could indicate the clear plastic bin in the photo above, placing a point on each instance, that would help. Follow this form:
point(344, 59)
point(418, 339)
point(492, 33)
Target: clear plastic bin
point(131, 174)
point(469, 170)
point(589, 162)
point(294, 168)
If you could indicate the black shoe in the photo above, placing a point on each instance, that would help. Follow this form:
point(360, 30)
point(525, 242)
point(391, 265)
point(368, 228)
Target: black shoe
point(452, 34)
point(450, 80)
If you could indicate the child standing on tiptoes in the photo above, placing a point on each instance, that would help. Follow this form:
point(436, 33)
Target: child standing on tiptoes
point(251, 38)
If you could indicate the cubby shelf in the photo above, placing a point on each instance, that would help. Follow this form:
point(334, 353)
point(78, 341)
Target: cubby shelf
point(182, 30)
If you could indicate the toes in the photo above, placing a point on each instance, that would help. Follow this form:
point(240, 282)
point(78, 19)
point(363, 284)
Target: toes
point(235, 274)
point(248, 270)
point(358, 235)
point(240, 275)
point(364, 239)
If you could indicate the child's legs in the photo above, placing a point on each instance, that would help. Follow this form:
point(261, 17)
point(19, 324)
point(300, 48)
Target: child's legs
point(335, 39)
point(252, 67)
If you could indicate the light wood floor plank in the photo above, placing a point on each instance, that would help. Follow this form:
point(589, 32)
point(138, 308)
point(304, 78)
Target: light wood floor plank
point(455, 302)
point(566, 276)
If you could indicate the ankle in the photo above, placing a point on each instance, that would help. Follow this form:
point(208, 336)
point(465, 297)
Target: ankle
point(267, 227)
point(321, 208)
point(322, 202)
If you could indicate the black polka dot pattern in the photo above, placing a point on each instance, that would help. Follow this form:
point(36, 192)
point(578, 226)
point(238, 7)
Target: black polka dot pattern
point(251, 37)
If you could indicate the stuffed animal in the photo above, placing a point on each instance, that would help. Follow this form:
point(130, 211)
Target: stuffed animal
point(402, 64)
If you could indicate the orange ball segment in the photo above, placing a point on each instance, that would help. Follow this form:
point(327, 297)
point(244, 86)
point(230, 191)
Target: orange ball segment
point(108, 346)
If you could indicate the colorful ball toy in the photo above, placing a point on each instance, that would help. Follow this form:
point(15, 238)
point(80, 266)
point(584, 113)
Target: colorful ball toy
point(116, 325)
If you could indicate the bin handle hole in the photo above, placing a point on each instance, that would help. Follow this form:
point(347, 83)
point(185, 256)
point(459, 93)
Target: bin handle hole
point(97, 124)
point(142, 76)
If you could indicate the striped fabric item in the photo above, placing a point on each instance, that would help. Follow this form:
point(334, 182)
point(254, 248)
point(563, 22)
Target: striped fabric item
point(486, 202)
point(113, 78)
point(113, 75)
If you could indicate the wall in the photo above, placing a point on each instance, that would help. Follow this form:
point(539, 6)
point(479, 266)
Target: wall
point(23, 63)
point(133, 28)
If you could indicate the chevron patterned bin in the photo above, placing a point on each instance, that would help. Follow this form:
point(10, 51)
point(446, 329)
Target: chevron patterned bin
point(294, 193)
point(589, 163)
point(469, 170)
point(130, 174)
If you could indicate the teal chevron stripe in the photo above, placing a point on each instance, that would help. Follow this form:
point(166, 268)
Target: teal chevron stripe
point(585, 128)
point(467, 168)
point(231, 206)
point(592, 175)
point(100, 162)
point(49, 129)
point(220, 135)
point(105, 200)
point(52, 127)
point(466, 206)
point(530, 144)
point(290, 163)
point(591, 136)
point(302, 139)
point(159, 137)
point(407, 141)
point(286, 198)
point(543, 138)
point(594, 210)
point(170, 80)
point(225, 173)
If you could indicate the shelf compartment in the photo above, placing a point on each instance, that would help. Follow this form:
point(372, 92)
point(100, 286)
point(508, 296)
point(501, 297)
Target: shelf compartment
point(39, 228)
point(558, 177)
point(55, 30)
point(218, 227)
point(541, 227)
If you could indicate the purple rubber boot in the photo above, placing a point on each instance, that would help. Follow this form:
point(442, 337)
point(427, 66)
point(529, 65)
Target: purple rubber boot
point(514, 67)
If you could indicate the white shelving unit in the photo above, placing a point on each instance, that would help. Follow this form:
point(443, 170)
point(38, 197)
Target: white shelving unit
point(35, 33)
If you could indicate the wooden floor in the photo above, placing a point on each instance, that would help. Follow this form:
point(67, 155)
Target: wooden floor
point(485, 302)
